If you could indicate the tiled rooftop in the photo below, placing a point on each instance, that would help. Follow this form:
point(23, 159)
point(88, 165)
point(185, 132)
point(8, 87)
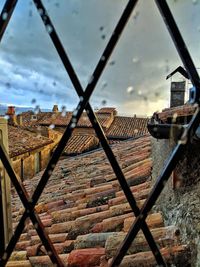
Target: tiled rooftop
point(29, 118)
point(116, 127)
point(126, 127)
point(107, 110)
point(87, 216)
point(21, 141)
point(80, 143)
point(180, 111)
point(58, 119)
point(104, 119)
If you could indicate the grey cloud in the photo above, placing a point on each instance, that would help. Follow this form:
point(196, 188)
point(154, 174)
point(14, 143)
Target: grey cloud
point(143, 57)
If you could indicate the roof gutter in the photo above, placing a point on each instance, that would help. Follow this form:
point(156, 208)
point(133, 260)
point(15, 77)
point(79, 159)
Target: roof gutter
point(165, 131)
point(169, 131)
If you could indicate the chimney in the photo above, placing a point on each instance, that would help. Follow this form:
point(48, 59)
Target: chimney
point(55, 108)
point(177, 94)
point(12, 117)
point(10, 111)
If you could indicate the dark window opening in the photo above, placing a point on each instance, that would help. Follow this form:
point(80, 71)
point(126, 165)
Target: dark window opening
point(37, 162)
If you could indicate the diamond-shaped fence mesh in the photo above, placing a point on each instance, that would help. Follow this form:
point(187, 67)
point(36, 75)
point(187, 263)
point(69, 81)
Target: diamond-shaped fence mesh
point(84, 95)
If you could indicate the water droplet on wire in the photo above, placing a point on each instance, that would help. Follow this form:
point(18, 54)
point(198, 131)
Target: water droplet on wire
point(75, 112)
point(90, 80)
point(40, 10)
point(49, 28)
point(5, 16)
point(73, 125)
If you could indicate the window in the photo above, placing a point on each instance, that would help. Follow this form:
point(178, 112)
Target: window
point(84, 94)
point(33, 117)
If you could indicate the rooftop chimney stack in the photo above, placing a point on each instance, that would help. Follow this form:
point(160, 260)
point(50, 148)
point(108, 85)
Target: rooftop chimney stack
point(10, 111)
point(55, 109)
point(177, 94)
point(12, 116)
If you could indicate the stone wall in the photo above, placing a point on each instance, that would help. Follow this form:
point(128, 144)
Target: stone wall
point(29, 158)
point(54, 135)
point(181, 206)
point(29, 166)
point(17, 166)
point(29, 161)
point(45, 156)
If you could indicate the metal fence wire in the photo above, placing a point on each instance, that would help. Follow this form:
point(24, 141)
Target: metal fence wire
point(84, 95)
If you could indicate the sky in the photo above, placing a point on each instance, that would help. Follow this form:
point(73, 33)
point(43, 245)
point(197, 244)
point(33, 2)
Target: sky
point(134, 81)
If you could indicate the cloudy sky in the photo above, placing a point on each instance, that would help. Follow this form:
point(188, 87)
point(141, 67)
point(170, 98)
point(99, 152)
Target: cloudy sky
point(31, 73)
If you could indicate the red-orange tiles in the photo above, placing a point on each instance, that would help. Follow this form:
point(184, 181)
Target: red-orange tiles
point(22, 141)
point(127, 127)
point(80, 143)
point(85, 211)
point(180, 111)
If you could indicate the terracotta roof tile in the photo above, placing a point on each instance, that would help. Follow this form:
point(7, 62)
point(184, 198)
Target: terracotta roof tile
point(180, 111)
point(80, 143)
point(104, 119)
point(29, 118)
point(86, 257)
point(87, 215)
point(172, 254)
point(22, 141)
point(116, 127)
point(126, 127)
point(104, 115)
point(107, 110)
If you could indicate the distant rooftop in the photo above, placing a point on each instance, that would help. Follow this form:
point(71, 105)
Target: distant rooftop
point(22, 141)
